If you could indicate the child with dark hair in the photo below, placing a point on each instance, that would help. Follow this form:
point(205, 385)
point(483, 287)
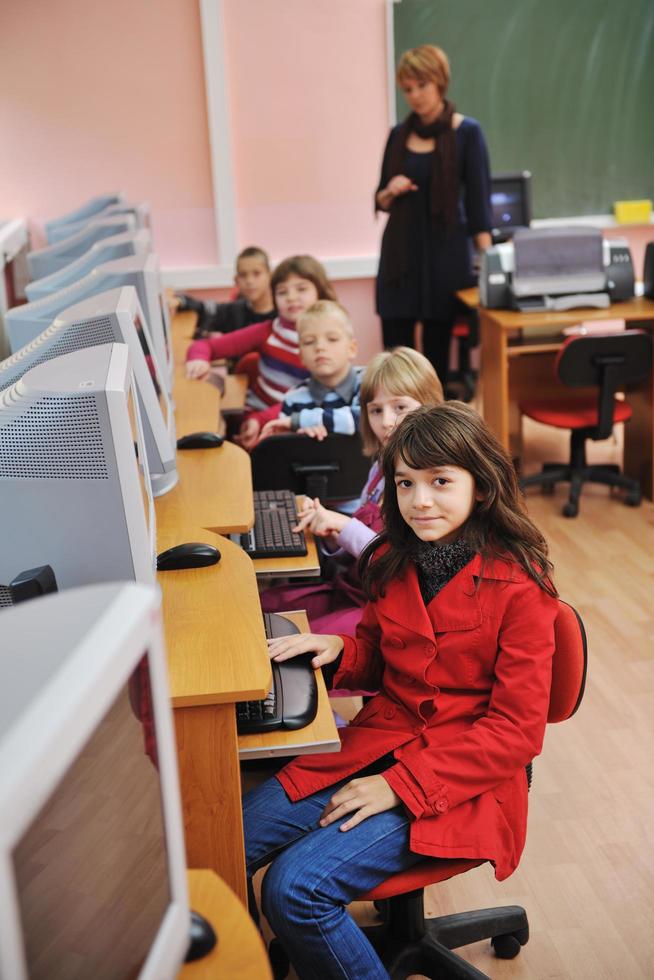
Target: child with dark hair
point(253, 304)
point(457, 639)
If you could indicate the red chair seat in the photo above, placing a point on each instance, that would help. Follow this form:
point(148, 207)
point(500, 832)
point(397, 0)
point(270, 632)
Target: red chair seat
point(428, 872)
point(572, 413)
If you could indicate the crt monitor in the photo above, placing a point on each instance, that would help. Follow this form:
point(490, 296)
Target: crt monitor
point(92, 862)
point(140, 213)
point(74, 482)
point(25, 323)
point(105, 250)
point(45, 261)
point(87, 210)
point(510, 203)
point(112, 317)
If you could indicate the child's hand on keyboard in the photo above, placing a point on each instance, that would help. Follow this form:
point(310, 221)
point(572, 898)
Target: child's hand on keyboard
point(321, 522)
point(325, 648)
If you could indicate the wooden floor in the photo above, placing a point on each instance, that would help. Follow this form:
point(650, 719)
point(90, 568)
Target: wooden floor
point(587, 875)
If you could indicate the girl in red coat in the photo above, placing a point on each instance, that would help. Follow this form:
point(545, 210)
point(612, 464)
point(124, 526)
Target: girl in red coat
point(458, 639)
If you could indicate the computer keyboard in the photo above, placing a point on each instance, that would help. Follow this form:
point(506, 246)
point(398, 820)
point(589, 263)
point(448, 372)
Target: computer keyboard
point(271, 537)
point(293, 700)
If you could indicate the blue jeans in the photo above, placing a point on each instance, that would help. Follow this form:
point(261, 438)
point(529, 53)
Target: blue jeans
point(315, 872)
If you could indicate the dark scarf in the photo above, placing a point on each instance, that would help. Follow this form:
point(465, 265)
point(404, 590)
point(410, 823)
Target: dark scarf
point(437, 564)
point(443, 191)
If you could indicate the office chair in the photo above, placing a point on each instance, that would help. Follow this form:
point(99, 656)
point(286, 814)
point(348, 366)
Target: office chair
point(608, 363)
point(334, 469)
point(406, 941)
point(466, 336)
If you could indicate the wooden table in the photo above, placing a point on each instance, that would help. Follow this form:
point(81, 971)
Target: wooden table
point(217, 655)
point(217, 651)
point(517, 356)
point(239, 952)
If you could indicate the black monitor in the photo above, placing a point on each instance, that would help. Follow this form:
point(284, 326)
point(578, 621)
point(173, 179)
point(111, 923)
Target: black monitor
point(334, 469)
point(510, 203)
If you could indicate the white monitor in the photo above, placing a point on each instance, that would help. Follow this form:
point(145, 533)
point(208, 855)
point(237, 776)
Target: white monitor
point(140, 212)
point(92, 861)
point(25, 323)
point(105, 250)
point(112, 317)
point(74, 483)
point(85, 211)
point(45, 261)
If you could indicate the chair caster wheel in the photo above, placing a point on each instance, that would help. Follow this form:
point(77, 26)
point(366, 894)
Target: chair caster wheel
point(507, 947)
point(570, 510)
point(633, 498)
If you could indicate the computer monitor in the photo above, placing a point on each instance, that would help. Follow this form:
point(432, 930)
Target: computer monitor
point(111, 317)
point(510, 203)
point(74, 481)
point(45, 261)
point(85, 211)
point(92, 861)
point(107, 249)
point(25, 323)
point(140, 212)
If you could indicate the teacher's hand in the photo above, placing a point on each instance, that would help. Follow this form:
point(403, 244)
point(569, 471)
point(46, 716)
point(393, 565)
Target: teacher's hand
point(399, 185)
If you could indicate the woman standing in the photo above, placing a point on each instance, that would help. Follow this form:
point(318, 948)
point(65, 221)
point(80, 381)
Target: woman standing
point(435, 184)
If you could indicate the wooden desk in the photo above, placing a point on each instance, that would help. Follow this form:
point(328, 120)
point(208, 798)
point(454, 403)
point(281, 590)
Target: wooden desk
point(239, 952)
point(517, 355)
point(320, 736)
point(217, 655)
point(214, 490)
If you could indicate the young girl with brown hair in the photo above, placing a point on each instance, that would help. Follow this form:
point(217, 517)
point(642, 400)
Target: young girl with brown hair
point(458, 639)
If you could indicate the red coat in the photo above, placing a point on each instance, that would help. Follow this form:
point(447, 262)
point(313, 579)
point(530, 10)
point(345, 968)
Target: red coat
point(464, 688)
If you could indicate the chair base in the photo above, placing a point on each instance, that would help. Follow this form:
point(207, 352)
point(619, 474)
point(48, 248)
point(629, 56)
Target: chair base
point(577, 472)
point(408, 943)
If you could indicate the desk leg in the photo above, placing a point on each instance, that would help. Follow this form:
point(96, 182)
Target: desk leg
point(210, 781)
point(494, 377)
point(639, 433)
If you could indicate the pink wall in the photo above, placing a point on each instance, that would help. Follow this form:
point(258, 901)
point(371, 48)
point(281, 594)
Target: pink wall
point(307, 93)
point(102, 96)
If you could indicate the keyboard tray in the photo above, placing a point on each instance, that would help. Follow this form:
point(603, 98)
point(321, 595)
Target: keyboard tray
point(293, 700)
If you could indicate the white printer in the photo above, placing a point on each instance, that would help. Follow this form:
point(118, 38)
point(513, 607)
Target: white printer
point(556, 269)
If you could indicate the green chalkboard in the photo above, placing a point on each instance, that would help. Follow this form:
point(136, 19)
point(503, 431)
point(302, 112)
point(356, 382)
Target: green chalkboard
point(564, 88)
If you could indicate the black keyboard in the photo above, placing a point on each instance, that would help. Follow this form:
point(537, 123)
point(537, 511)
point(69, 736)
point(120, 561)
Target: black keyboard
point(271, 537)
point(293, 700)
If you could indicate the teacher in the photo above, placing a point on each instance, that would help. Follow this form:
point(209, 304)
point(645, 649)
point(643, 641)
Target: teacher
point(435, 184)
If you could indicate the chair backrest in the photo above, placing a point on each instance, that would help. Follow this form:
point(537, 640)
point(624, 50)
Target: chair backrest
point(569, 664)
point(334, 469)
point(610, 363)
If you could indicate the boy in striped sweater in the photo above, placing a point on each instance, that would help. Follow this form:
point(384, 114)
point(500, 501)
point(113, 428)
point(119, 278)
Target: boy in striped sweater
point(328, 401)
point(297, 283)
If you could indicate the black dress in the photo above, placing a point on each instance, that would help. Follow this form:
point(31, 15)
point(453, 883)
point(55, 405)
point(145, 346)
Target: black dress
point(440, 261)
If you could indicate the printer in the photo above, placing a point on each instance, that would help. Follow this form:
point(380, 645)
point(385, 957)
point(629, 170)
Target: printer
point(556, 269)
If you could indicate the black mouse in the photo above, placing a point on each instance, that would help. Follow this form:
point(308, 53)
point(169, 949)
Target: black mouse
point(192, 554)
point(202, 938)
point(200, 440)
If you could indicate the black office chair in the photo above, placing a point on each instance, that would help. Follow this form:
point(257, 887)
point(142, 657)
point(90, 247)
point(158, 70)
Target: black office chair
point(334, 469)
point(609, 363)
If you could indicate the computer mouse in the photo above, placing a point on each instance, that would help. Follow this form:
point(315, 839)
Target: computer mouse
point(191, 554)
point(200, 440)
point(202, 938)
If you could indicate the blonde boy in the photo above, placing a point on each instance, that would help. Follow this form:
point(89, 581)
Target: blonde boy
point(329, 400)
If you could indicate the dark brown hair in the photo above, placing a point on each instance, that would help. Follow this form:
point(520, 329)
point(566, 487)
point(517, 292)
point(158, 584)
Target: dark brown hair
point(306, 267)
point(453, 434)
point(253, 252)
